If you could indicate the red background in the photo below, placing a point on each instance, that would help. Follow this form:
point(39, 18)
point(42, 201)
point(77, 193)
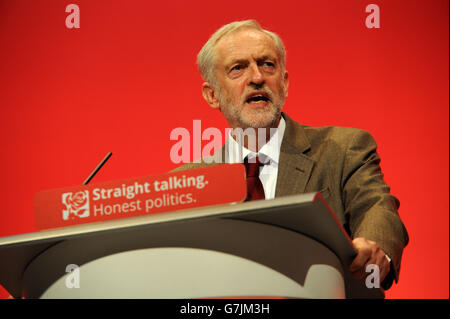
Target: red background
point(128, 76)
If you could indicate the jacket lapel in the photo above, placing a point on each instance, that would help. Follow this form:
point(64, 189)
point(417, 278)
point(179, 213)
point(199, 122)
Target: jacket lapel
point(294, 167)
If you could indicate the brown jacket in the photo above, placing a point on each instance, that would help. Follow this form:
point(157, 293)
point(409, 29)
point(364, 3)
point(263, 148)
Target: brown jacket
point(341, 163)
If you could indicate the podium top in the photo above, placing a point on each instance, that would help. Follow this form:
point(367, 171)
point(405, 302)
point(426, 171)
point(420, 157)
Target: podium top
point(307, 214)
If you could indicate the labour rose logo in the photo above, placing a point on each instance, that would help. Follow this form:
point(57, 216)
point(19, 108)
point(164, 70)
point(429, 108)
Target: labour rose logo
point(76, 204)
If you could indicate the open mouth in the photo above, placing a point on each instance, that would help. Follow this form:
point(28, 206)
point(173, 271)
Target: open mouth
point(257, 98)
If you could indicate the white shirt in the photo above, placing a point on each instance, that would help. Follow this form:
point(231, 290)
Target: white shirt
point(269, 153)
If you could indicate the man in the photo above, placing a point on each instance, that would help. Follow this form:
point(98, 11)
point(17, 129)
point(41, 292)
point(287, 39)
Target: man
point(246, 80)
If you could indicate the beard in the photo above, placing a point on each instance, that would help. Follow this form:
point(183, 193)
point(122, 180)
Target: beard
point(244, 116)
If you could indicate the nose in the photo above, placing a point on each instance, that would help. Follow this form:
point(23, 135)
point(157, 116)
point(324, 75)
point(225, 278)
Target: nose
point(256, 77)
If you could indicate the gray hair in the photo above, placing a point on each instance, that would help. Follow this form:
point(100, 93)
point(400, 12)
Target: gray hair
point(206, 56)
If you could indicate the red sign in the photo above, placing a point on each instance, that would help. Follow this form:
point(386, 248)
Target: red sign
point(140, 196)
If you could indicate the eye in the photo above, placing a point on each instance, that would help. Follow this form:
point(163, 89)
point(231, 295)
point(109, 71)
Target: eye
point(268, 65)
point(237, 68)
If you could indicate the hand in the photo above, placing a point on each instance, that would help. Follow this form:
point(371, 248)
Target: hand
point(368, 253)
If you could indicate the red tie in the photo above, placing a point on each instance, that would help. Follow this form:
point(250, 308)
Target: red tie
point(255, 188)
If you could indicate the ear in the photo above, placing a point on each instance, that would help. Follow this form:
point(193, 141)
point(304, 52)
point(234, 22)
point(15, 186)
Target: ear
point(210, 95)
point(286, 83)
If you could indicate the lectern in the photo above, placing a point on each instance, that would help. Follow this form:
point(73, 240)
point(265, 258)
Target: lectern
point(290, 247)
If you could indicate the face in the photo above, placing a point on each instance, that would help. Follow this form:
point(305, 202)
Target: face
point(250, 86)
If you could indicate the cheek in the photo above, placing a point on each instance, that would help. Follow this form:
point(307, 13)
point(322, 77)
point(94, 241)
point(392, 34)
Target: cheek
point(236, 93)
point(278, 88)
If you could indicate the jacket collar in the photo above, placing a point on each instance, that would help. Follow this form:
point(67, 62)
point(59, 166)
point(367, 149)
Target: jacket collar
point(295, 166)
point(295, 139)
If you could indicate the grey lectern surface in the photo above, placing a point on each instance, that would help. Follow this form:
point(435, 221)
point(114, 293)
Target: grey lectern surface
point(287, 247)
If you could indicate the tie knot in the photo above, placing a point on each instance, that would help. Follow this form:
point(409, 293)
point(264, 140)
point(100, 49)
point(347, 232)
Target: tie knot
point(252, 167)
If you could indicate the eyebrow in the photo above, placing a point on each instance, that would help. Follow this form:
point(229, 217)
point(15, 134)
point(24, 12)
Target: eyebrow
point(245, 61)
point(267, 57)
point(236, 61)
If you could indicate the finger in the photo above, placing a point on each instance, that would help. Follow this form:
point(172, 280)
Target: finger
point(370, 249)
point(366, 255)
point(385, 266)
point(363, 256)
point(380, 261)
point(376, 256)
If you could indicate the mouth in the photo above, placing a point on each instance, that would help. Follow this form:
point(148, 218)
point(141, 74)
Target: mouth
point(258, 99)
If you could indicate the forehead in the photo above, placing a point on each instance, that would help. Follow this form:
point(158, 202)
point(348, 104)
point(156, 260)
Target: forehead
point(244, 44)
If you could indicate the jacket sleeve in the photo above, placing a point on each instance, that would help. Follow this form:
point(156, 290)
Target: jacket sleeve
point(369, 208)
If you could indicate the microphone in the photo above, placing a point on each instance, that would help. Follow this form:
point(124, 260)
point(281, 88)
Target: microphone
point(97, 168)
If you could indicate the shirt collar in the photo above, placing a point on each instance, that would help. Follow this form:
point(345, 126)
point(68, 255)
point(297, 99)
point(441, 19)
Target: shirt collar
point(269, 150)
